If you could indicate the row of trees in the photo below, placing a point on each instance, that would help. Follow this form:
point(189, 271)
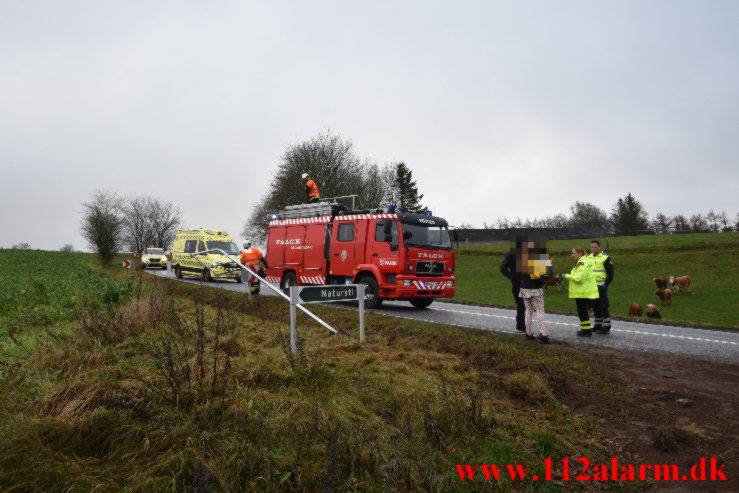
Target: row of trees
point(332, 162)
point(627, 217)
point(111, 222)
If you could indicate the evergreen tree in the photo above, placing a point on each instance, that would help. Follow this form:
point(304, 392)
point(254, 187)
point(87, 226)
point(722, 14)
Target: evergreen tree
point(404, 190)
point(629, 217)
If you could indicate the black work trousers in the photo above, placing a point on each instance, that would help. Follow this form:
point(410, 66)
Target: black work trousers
point(583, 304)
point(520, 308)
point(600, 307)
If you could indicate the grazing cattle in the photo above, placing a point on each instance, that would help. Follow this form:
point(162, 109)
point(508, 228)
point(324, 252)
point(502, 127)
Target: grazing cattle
point(661, 282)
point(553, 281)
point(635, 310)
point(665, 295)
point(682, 282)
point(652, 311)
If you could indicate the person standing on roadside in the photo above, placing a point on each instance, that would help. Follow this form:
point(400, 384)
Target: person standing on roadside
point(511, 267)
point(583, 289)
point(538, 268)
point(603, 270)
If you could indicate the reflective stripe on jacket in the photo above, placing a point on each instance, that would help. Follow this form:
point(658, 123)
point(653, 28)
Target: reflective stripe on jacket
point(251, 257)
point(582, 280)
point(312, 189)
point(599, 267)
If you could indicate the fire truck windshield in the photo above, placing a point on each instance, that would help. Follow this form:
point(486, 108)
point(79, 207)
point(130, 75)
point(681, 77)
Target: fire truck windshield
point(433, 237)
point(227, 246)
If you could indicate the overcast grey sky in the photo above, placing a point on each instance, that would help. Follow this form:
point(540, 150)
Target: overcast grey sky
point(499, 108)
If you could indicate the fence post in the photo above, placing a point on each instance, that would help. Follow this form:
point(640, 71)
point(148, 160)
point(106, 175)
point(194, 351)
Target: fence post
point(293, 320)
point(360, 295)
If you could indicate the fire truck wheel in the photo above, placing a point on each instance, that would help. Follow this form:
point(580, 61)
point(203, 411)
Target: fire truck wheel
point(371, 292)
point(206, 275)
point(178, 271)
point(421, 303)
point(287, 281)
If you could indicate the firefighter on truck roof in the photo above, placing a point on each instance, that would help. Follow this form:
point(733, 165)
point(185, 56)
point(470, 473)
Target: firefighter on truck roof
point(311, 189)
point(253, 259)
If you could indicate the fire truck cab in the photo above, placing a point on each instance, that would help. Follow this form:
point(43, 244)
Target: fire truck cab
point(400, 256)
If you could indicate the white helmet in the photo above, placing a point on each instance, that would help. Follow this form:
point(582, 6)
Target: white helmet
point(304, 176)
point(247, 244)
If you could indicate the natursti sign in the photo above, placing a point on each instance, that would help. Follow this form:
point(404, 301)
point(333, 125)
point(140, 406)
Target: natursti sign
point(321, 294)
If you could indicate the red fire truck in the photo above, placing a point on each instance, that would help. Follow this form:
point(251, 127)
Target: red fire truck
point(398, 256)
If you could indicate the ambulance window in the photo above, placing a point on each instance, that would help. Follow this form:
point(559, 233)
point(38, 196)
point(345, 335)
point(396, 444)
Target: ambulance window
point(201, 246)
point(346, 232)
point(190, 246)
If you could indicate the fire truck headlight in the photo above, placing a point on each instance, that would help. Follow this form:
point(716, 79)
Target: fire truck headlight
point(450, 284)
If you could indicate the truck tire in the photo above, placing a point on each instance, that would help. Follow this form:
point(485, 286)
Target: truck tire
point(206, 277)
point(287, 281)
point(178, 271)
point(371, 292)
point(421, 303)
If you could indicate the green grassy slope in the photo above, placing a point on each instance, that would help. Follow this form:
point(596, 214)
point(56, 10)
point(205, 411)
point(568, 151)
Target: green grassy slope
point(708, 259)
point(182, 388)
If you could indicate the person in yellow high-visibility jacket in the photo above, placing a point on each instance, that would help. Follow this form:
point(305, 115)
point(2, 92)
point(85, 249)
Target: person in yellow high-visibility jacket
point(583, 289)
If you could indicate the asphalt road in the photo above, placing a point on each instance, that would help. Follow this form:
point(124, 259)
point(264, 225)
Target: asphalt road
point(700, 343)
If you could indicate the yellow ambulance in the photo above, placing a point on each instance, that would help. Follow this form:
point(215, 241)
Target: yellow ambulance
point(210, 266)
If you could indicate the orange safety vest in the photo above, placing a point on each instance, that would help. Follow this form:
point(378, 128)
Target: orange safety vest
point(312, 189)
point(251, 258)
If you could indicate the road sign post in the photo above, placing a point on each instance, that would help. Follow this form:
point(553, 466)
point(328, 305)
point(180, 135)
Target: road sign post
point(323, 294)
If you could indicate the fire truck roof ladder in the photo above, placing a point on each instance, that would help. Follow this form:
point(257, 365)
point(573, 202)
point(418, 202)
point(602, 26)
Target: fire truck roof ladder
point(307, 210)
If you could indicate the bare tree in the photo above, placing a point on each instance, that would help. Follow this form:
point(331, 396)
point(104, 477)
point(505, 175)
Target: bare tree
point(328, 159)
point(712, 219)
point(136, 231)
point(723, 221)
point(377, 182)
point(164, 219)
point(587, 215)
point(698, 224)
point(680, 224)
point(102, 224)
point(661, 224)
point(149, 222)
point(22, 246)
point(67, 248)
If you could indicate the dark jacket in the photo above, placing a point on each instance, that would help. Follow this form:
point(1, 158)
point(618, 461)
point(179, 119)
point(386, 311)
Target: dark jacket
point(508, 268)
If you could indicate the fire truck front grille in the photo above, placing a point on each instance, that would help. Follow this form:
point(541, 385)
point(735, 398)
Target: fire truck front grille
point(427, 267)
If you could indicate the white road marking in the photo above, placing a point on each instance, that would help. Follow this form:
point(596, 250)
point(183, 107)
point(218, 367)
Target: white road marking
point(674, 336)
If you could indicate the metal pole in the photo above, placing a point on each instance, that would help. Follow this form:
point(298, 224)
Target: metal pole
point(360, 294)
point(271, 286)
point(293, 320)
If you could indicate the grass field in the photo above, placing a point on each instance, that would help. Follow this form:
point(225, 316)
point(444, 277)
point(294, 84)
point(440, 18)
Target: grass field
point(184, 388)
point(710, 259)
point(40, 289)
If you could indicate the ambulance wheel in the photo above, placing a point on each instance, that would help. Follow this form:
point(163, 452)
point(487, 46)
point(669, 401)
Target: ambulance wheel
point(164, 267)
point(178, 271)
point(371, 292)
point(421, 303)
point(239, 280)
point(206, 275)
point(287, 281)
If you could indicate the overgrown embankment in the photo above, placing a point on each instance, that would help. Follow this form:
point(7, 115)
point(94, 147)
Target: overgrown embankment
point(188, 388)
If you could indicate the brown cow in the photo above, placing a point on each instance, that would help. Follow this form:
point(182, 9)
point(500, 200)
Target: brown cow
point(665, 295)
point(635, 310)
point(682, 282)
point(553, 281)
point(652, 311)
point(661, 282)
